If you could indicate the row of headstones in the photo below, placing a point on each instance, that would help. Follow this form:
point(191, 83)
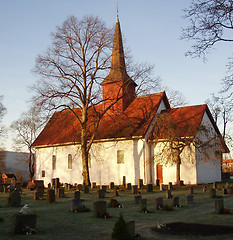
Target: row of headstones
point(10, 188)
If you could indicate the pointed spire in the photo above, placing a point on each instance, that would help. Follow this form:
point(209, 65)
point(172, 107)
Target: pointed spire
point(118, 67)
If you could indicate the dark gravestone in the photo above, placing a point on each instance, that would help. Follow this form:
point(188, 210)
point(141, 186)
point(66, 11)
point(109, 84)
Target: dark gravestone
point(124, 181)
point(224, 191)
point(204, 189)
point(66, 186)
point(131, 229)
point(103, 187)
point(1, 188)
point(212, 193)
point(49, 185)
point(157, 183)
point(93, 185)
point(50, 195)
point(61, 192)
point(169, 186)
point(21, 221)
point(215, 185)
point(80, 187)
point(219, 205)
point(191, 190)
point(111, 185)
point(86, 189)
point(14, 199)
point(175, 202)
point(100, 193)
point(115, 193)
point(189, 199)
point(140, 183)
point(158, 203)
point(135, 189)
point(53, 182)
point(77, 194)
point(143, 205)
point(128, 186)
point(99, 209)
point(76, 204)
point(38, 194)
point(137, 199)
point(57, 183)
point(168, 194)
point(149, 188)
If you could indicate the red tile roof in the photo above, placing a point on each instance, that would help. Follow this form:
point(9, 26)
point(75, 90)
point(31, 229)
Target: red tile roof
point(64, 128)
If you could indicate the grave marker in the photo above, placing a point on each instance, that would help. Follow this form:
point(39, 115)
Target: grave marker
point(140, 183)
point(137, 199)
point(158, 203)
point(93, 185)
point(212, 193)
point(143, 205)
point(149, 187)
point(77, 194)
point(134, 189)
point(189, 198)
point(100, 209)
point(111, 185)
point(128, 186)
point(50, 195)
point(168, 194)
point(219, 205)
point(100, 193)
point(175, 202)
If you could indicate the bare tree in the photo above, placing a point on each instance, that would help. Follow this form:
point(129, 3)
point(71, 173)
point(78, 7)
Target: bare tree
point(174, 136)
point(211, 21)
point(27, 128)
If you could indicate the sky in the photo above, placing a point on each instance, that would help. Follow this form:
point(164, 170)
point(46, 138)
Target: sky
point(151, 28)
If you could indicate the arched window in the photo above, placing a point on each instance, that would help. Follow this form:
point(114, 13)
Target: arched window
point(54, 162)
point(120, 157)
point(69, 161)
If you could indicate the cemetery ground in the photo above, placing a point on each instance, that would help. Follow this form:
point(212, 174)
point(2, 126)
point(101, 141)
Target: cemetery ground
point(56, 221)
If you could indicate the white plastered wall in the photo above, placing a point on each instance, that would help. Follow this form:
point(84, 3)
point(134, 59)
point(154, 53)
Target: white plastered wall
point(208, 165)
point(104, 168)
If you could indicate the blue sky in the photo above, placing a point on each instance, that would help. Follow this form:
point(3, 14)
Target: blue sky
point(151, 28)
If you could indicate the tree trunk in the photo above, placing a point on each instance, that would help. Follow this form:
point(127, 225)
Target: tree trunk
point(178, 162)
point(30, 165)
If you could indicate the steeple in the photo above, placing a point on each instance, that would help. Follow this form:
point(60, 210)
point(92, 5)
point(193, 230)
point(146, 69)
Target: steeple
point(118, 84)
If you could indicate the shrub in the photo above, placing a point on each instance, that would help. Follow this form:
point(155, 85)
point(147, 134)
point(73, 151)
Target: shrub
point(120, 230)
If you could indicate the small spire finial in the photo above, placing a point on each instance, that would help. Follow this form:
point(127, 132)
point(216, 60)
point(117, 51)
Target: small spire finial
point(117, 5)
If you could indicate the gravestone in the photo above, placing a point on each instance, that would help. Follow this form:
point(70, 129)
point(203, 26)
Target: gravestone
point(61, 192)
point(191, 190)
point(169, 186)
point(57, 183)
point(162, 187)
point(175, 202)
point(100, 209)
point(66, 186)
point(134, 189)
point(128, 186)
point(80, 187)
point(76, 204)
point(131, 229)
point(124, 181)
point(14, 199)
point(115, 193)
point(224, 191)
point(111, 185)
point(168, 194)
point(219, 205)
point(215, 185)
point(77, 194)
point(212, 193)
point(231, 190)
point(189, 198)
point(50, 195)
point(137, 199)
point(204, 189)
point(53, 182)
point(149, 187)
point(157, 183)
point(158, 203)
point(103, 187)
point(93, 185)
point(140, 183)
point(21, 221)
point(38, 194)
point(100, 193)
point(86, 189)
point(143, 205)
point(49, 185)
point(1, 188)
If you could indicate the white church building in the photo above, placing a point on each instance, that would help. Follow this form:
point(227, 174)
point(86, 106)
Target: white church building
point(122, 146)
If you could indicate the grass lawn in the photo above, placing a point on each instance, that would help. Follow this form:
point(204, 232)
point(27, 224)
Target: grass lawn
point(55, 221)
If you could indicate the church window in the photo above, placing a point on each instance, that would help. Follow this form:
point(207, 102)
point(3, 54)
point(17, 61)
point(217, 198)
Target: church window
point(120, 157)
point(54, 162)
point(69, 161)
point(43, 173)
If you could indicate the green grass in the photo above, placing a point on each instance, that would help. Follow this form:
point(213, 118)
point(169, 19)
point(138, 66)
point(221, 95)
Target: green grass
point(55, 221)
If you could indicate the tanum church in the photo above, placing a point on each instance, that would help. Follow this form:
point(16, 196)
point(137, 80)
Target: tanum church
point(124, 144)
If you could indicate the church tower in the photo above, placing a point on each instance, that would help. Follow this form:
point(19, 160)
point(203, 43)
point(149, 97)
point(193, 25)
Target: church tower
point(118, 86)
